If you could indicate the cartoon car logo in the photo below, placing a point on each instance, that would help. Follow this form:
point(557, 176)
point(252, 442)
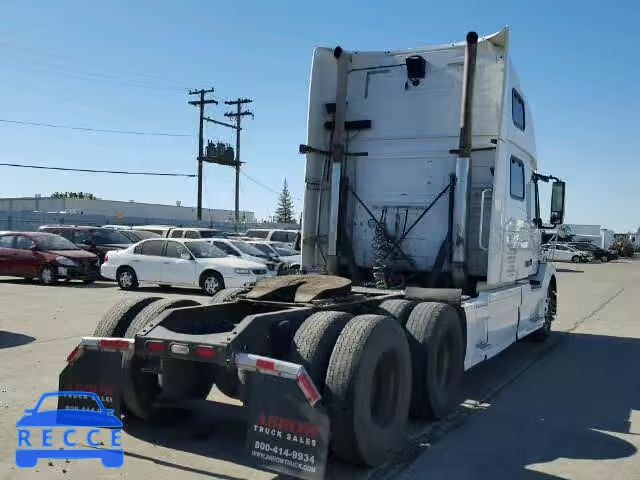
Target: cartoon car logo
point(99, 417)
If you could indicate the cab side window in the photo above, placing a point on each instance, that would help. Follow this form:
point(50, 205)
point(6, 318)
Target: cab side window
point(23, 243)
point(279, 236)
point(191, 234)
point(517, 179)
point(176, 234)
point(174, 249)
point(152, 247)
point(6, 241)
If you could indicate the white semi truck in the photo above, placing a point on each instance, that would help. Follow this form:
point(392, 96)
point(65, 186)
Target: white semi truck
point(421, 258)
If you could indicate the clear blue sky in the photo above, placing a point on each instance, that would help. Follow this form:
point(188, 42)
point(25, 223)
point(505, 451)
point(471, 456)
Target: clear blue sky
point(93, 63)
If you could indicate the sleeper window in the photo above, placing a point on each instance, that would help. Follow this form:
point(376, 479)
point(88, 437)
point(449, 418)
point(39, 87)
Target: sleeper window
point(517, 179)
point(517, 109)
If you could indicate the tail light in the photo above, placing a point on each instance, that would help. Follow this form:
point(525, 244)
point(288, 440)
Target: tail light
point(155, 346)
point(106, 257)
point(205, 351)
point(114, 344)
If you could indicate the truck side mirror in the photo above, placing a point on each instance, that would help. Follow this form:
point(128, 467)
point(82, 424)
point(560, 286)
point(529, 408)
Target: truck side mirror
point(557, 203)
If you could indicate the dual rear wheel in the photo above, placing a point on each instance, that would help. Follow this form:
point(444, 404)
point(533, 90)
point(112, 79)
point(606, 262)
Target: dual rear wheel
point(374, 374)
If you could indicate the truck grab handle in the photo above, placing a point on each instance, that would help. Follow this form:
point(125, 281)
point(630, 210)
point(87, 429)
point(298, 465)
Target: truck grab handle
point(480, 230)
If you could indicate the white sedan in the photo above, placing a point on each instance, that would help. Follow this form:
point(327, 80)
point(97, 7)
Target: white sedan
point(190, 263)
point(565, 253)
point(279, 251)
point(238, 248)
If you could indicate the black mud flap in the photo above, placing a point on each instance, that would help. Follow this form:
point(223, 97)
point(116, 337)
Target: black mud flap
point(97, 372)
point(285, 433)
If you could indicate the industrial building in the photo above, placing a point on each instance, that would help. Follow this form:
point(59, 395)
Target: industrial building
point(98, 211)
point(596, 234)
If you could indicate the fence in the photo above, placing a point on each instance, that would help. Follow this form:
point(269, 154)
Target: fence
point(31, 221)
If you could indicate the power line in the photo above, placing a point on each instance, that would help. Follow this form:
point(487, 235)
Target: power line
point(264, 186)
point(87, 170)
point(66, 66)
point(90, 129)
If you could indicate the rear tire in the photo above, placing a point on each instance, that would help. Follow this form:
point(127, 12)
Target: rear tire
point(604, 259)
point(116, 321)
point(127, 278)
point(399, 309)
point(368, 389)
point(226, 295)
point(437, 359)
point(314, 342)
point(181, 378)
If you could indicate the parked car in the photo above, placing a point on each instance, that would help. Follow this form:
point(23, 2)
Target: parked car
point(280, 252)
point(117, 227)
point(599, 253)
point(239, 248)
point(289, 237)
point(45, 256)
point(161, 230)
point(564, 253)
point(195, 232)
point(190, 263)
point(96, 240)
point(138, 235)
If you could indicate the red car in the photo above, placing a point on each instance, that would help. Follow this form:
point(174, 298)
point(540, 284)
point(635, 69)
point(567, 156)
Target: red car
point(45, 256)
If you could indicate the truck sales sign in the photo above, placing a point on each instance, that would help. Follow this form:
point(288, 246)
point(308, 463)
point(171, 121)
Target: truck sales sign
point(285, 433)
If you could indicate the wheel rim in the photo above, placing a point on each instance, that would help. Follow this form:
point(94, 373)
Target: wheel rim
point(384, 390)
point(211, 284)
point(126, 279)
point(603, 259)
point(47, 275)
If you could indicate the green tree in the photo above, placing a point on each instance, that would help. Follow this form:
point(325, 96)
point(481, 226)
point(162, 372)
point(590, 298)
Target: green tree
point(284, 212)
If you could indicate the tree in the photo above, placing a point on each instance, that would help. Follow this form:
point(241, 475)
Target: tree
point(83, 195)
point(284, 212)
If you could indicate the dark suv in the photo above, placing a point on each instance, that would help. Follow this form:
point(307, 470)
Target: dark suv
point(597, 252)
point(93, 239)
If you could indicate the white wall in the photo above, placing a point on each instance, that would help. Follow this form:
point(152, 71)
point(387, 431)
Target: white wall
point(118, 209)
point(607, 237)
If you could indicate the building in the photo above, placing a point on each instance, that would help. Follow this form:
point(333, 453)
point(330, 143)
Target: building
point(595, 234)
point(85, 211)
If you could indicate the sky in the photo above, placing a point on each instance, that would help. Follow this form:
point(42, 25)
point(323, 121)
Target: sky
point(127, 65)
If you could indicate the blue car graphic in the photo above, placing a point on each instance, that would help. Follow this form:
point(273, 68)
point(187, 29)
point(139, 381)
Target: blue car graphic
point(70, 418)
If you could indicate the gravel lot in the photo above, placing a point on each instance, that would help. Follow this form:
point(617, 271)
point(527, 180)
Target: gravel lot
point(567, 409)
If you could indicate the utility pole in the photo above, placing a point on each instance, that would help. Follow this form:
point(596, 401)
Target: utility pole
point(237, 115)
point(201, 103)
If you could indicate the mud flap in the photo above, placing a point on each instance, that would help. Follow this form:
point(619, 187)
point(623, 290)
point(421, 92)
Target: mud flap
point(99, 372)
point(285, 433)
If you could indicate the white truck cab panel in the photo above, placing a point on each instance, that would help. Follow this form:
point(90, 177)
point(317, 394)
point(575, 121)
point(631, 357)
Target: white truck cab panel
point(392, 177)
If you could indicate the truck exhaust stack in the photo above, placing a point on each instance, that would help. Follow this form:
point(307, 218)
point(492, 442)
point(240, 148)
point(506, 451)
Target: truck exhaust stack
point(463, 166)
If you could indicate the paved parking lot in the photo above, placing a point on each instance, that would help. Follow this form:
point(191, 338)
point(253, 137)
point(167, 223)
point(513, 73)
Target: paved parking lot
point(567, 409)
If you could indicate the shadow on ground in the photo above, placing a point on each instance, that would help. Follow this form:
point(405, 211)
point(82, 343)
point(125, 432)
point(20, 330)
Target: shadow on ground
point(559, 407)
point(563, 408)
point(568, 270)
point(10, 339)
